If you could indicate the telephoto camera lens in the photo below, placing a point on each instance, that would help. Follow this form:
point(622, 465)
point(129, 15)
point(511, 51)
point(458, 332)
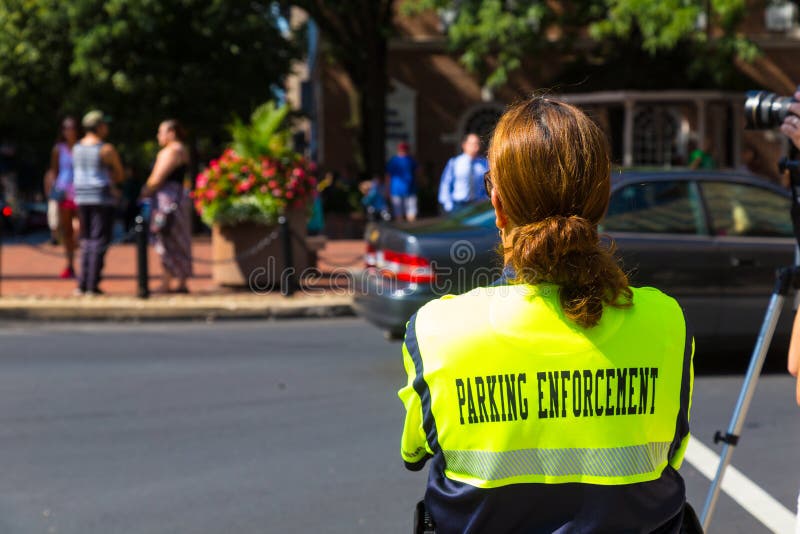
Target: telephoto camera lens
point(764, 110)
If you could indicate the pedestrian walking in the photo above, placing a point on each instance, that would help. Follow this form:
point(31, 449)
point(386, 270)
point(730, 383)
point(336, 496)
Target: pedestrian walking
point(462, 180)
point(401, 172)
point(558, 399)
point(96, 170)
point(171, 223)
point(61, 191)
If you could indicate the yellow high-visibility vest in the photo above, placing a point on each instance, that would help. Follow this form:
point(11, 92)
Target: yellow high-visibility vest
point(507, 390)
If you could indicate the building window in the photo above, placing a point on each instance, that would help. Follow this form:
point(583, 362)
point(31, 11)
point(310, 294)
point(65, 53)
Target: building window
point(655, 132)
point(780, 16)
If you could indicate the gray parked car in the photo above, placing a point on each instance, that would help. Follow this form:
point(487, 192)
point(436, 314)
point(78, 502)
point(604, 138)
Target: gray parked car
point(712, 240)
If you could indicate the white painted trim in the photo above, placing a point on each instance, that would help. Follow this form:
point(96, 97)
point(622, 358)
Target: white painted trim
point(627, 133)
point(619, 97)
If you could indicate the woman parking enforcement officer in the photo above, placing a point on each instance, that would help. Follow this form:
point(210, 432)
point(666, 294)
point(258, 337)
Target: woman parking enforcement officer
point(558, 399)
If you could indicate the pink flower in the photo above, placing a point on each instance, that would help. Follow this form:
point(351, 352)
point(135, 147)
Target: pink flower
point(214, 164)
point(264, 189)
point(211, 194)
point(276, 192)
point(298, 172)
point(289, 194)
point(243, 187)
point(272, 184)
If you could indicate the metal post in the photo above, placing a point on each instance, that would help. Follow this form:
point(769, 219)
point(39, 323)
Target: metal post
point(287, 275)
point(731, 438)
point(142, 275)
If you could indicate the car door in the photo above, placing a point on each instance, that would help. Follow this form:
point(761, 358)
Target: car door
point(753, 229)
point(661, 234)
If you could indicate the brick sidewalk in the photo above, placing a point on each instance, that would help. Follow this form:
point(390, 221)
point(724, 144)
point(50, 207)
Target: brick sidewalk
point(32, 270)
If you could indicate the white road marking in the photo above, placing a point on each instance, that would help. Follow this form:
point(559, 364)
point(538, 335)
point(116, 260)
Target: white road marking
point(760, 504)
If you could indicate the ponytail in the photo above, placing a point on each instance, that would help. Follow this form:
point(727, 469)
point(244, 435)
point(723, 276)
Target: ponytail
point(567, 251)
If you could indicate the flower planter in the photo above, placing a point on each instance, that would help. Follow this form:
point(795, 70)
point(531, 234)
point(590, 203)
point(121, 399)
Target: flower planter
point(236, 266)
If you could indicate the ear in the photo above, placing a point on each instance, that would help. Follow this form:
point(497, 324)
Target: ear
point(501, 220)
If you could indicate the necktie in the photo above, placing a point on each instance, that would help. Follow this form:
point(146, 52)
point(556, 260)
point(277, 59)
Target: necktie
point(471, 181)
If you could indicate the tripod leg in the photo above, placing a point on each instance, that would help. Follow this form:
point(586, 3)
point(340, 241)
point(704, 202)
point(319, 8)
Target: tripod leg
point(743, 404)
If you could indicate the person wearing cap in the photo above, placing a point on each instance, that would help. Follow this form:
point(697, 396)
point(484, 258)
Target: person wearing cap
point(96, 168)
point(401, 169)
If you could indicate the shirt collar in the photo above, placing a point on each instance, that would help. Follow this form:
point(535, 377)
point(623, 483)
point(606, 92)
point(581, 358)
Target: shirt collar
point(506, 276)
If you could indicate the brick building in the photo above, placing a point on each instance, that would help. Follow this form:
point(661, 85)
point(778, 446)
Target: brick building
point(434, 101)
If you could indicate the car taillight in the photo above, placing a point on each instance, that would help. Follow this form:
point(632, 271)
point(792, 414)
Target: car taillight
point(403, 266)
point(6, 211)
point(370, 257)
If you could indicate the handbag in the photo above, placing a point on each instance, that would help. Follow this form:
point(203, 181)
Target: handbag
point(53, 216)
point(163, 218)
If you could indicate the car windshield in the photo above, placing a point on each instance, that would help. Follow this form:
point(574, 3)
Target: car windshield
point(480, 215)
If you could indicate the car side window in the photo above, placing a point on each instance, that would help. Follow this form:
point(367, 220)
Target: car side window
point(669, 207)
point(747, 210)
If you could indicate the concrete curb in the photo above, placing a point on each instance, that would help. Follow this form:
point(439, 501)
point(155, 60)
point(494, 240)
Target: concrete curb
point(173, 309)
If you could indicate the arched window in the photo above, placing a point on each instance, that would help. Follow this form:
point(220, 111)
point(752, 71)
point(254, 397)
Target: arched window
point(655, 136)
point(481, 119)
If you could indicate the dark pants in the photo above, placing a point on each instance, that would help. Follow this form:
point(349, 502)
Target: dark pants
point(96, 225)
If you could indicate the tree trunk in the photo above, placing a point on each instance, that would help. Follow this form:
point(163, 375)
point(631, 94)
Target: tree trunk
point(372, 103)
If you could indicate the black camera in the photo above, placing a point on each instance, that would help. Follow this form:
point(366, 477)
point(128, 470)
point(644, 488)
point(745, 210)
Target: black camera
point(764, 110)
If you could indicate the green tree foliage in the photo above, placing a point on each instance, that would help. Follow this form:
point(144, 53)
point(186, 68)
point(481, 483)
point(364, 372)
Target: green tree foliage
point(202, 61)
point(495, 36)
point(356, 33)
point(34, 66)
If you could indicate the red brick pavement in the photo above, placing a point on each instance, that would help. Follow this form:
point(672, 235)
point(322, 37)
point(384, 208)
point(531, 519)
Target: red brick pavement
point(32, 270)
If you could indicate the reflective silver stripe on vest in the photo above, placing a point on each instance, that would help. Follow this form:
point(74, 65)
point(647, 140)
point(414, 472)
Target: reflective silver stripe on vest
point(610, 462)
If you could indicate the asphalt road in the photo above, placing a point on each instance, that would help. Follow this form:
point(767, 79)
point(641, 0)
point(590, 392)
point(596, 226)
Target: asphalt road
point(254, 427)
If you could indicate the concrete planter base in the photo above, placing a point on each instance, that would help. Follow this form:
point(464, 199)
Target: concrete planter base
point(237, 264)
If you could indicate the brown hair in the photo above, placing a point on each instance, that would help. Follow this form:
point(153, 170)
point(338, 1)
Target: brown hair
point(60, 137)
point(551, 169)
point(174, 125)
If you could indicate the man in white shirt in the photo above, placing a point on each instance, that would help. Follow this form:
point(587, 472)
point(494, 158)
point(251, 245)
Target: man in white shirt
point(462, 179)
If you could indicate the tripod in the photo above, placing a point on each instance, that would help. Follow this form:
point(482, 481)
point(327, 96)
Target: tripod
point(787, 279)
